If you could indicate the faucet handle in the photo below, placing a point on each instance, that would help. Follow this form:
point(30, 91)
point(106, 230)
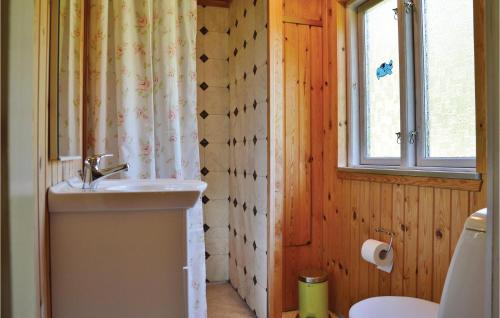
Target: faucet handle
point(95, 160)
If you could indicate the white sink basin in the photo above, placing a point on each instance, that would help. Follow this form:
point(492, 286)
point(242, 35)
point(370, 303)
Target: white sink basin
point(125, 195)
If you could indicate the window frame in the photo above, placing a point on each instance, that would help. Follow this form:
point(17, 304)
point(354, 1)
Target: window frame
point(421, 159)
point(412, 93)
point(362, 107)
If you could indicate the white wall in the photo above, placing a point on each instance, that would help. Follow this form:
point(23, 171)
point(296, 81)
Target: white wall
point(213, 130)
point(19, 262)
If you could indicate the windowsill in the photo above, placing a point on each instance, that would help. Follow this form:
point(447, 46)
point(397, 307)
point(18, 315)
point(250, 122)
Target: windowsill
point(468, 180)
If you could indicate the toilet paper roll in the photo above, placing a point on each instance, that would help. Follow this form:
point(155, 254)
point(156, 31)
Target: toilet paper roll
point(375, 252)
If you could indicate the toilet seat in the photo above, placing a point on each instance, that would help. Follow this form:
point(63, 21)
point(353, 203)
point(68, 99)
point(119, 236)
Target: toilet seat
point(394, 307)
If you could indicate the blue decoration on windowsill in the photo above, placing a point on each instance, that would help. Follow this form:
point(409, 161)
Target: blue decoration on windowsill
point(384, 70)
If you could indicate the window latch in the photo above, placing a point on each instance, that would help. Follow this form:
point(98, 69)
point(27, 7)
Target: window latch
point(409, 5)
point(413, 137)
point(398, 137)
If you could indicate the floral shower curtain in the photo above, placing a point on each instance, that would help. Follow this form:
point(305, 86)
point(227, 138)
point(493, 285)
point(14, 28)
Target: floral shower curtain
point(142, 101)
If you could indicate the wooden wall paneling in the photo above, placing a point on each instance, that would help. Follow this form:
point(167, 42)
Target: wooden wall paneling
point(354, 241)
point(426, 213)
point(331, 235)
point(386, 210)
point(275, 163)
point(298, 148)
point(343, 289)
point(364, 234)
point(459, 213)
point(374, 210)
point(305, 140)
point(410, 241)
point(296, 10)
point(303, 157)
point(333, 217)
point(398, 224)
point(455, 184)
point(442, 219)
point(425, 242)
point(291, 73)
point(315, 157)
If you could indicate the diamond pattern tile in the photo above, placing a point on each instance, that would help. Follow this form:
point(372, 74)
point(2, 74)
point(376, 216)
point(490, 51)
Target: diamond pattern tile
point(204, 58)
point(204, 114)
point(246, 213)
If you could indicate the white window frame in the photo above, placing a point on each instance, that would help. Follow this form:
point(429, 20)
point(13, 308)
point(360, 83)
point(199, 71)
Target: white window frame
point(412, 93)
point(423, 161)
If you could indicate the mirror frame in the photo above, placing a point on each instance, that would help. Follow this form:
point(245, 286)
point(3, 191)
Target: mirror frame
point(54, 82)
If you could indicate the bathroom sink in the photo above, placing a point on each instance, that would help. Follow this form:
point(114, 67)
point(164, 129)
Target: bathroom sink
point(120, 250)
point(125, 195)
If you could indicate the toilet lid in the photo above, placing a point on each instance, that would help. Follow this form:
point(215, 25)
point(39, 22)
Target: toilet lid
point(394, 307)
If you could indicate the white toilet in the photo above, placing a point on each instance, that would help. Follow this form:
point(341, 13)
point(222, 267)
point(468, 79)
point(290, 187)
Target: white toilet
point(463, 292)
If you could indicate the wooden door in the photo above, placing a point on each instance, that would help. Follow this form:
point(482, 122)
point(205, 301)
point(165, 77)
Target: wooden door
point(303, 125)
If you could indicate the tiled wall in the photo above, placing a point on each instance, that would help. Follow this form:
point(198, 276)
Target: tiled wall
point(232, 106)
point(213, 125)
point(248, 151)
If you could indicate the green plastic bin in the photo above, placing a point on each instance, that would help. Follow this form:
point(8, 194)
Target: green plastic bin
point(313, 294)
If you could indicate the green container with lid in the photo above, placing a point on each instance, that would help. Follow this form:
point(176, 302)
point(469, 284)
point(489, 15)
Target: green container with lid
point(313, 294)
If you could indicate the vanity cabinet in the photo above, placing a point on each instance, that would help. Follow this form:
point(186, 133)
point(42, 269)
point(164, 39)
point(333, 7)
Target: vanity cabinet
point(120, 253)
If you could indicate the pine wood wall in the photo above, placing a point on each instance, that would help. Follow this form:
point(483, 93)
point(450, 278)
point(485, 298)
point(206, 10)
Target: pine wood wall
point(427, 214)
point(427, 222)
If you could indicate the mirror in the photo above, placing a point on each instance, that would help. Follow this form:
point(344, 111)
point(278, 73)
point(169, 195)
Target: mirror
point(66, 79)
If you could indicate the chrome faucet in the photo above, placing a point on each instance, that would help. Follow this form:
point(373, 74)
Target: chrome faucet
point(93, 173)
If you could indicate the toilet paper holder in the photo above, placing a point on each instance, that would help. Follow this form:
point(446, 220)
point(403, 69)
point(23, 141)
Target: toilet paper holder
point(391, 235)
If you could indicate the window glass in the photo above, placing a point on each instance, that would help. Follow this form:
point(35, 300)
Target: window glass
point(449, 118)
point(381, 69)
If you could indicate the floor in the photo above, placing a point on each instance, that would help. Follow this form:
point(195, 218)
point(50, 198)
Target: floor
point(224, 302)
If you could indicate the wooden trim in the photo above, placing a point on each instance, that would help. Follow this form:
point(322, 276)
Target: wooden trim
point(86, 75)
point(42, 47)
point(215, 3)
point(84, 5)
point(276, 137)
point(339, 44)
point(53, 38)
point(1, 139)
point(480, 81)
point(454, 184)
point(302, 21)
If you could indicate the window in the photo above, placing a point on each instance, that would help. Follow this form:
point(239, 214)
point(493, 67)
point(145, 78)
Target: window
point(412, 77)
